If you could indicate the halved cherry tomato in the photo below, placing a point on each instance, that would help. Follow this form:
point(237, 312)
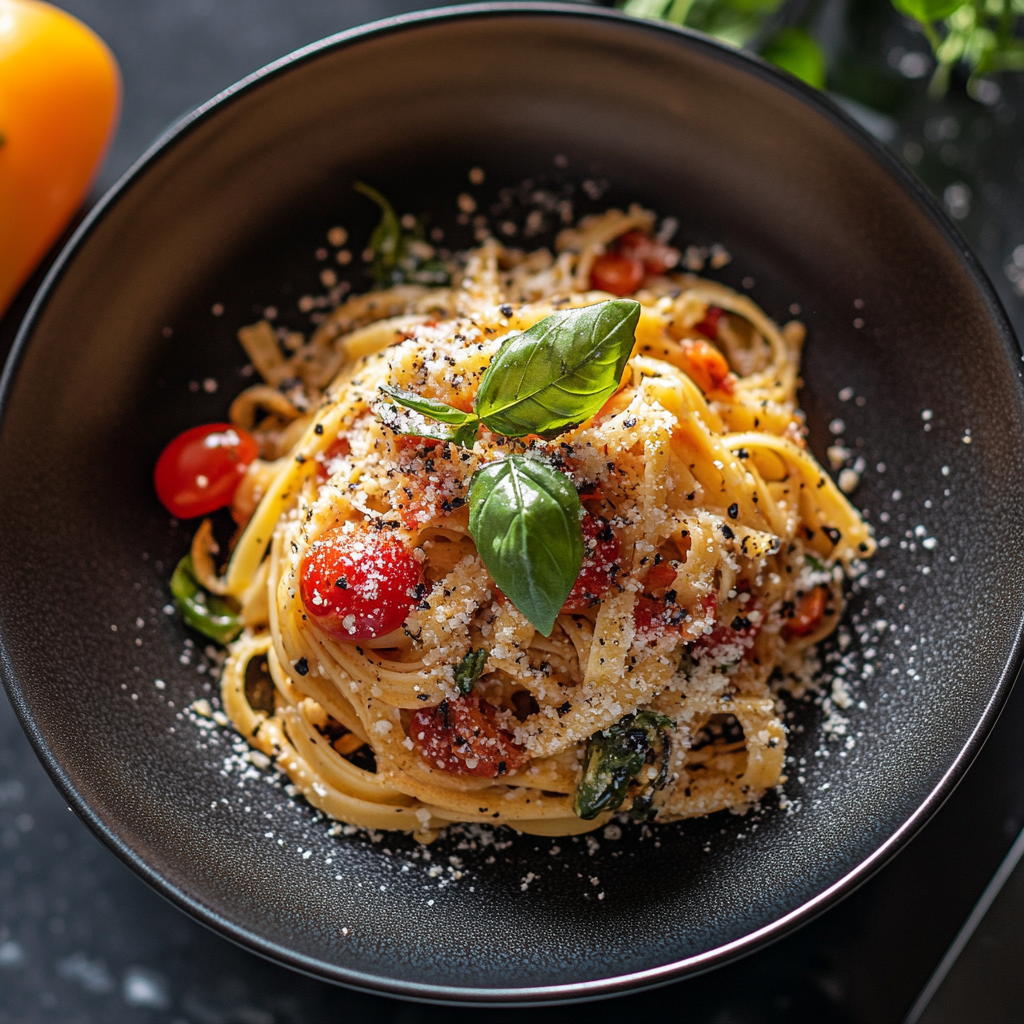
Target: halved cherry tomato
point(806, 616)
point(600, 564)
point(357, 583)
point(463, 737)
point(200, 470)
point(709, 325)
point(657, 257)
point(707, 366)
point(617, 274)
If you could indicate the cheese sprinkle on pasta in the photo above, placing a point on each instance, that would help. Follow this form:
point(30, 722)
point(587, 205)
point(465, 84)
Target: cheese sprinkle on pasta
point(714, 552)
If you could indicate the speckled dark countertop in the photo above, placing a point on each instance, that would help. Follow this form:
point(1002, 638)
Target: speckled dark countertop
point(83, 940)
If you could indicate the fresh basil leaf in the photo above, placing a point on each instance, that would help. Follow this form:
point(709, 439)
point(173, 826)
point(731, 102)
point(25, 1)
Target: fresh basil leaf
point(615, 757)
point(559, 372)
point(417, 426)
point(206, 613)
point(525, 520)
point(470, 669)
point(428, 406)
point(457, 427)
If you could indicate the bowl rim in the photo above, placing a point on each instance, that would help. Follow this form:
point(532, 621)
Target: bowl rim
point(584, 991)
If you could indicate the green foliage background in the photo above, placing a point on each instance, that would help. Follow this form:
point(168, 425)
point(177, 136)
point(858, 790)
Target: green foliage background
point(981, 35)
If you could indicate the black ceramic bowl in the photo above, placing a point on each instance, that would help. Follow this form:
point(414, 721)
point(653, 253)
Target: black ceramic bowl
point(907, 346)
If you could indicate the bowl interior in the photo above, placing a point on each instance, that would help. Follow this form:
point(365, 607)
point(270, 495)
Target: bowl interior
point(231, 211)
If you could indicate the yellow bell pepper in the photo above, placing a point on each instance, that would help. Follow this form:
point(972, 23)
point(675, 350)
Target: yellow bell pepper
point(60, 94)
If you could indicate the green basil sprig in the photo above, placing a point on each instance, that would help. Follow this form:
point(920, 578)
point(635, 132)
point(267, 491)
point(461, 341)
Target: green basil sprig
point(547, 379)
point(206, 613)
point(615, 757)
point(525, 520)
point(559, 372)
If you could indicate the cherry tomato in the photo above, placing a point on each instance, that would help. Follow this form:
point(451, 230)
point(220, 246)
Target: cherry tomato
point(357, 583)
point(60, 92)
point(707, 366)
point(200, 470)
point(657, 257)
point(600, 564)
point(709, 325)
point(806, 616)
point(620, 275)
point(463, 737)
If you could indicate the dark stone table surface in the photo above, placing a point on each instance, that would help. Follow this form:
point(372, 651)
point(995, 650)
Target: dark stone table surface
point(82, 939)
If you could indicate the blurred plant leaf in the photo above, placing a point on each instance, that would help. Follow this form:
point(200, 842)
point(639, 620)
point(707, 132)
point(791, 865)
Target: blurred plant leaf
point(797, 52)
point(927, 10)
point(735, 22)
point(981, 34)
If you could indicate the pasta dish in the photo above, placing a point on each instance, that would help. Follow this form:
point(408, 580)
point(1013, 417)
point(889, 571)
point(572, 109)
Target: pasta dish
point(529, 538)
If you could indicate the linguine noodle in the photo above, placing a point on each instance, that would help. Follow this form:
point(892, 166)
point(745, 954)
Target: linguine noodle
point(730, 547)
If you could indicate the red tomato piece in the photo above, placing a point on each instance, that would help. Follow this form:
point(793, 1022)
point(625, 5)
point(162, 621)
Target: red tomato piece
point(657, 257)
point(709, 325)
point(600, 564)
point(659, 576)
point(200, 470)
point(337, 449)
point(707, 366)
point(463, 737)
point(620, 275)
point(806, 616)
point(654, 617)
point(358, 584)
point(729, 638)
point(407, 443)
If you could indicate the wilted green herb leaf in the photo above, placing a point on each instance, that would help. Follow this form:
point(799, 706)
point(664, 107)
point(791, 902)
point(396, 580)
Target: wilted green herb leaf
point(207, 613)
point(386, 240)
point(615, 757)
point(470, 669)
point(559, 372)
point(525, 521)
point(400, 256)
